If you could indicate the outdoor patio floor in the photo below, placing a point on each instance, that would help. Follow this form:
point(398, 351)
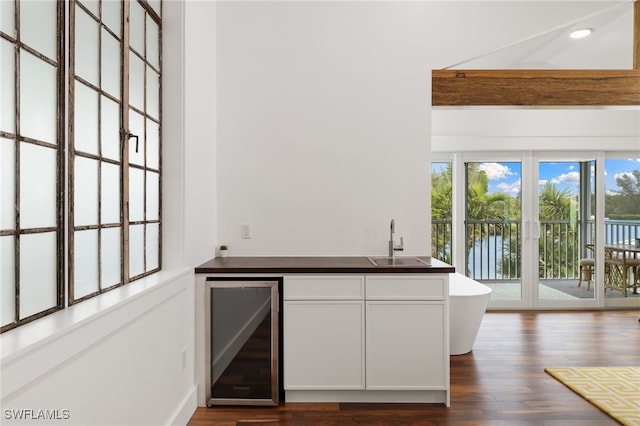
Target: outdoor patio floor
point(553, 290)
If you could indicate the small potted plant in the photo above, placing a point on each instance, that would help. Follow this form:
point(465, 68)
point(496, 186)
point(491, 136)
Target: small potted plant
point(224, 250)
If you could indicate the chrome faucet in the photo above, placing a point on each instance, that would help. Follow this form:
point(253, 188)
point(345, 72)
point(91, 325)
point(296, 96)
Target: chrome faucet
point(392, 246)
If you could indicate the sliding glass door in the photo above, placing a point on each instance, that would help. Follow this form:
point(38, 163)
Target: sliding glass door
point(493, 232)
point(523, 223)
point(621, 240)
point(566, 231)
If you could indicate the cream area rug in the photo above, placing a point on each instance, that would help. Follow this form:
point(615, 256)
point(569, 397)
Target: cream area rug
point(614, 390)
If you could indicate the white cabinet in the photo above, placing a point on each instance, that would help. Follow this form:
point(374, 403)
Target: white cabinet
point(379, 334)
point(404, 345)
point(324, 345)
point(405, 339)
point(324, 332)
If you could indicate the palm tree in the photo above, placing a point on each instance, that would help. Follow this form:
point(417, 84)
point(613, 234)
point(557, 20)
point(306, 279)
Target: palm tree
point(441, 194)
point(441, 204)
point(557, 205)
point(484, 206)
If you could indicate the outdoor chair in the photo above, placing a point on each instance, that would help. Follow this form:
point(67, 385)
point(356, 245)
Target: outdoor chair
point(587, 266)
point(634, 264)
point(618, 269)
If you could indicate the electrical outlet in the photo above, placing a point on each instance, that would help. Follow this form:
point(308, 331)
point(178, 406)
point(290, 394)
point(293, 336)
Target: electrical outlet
point(246, 231)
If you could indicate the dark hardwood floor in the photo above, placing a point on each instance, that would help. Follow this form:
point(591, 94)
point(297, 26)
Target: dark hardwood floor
point(502, 382)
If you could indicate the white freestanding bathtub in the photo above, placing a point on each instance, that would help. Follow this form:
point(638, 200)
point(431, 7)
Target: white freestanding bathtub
point(468, 301)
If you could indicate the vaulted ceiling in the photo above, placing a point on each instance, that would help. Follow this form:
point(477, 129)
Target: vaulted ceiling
point(610, 46)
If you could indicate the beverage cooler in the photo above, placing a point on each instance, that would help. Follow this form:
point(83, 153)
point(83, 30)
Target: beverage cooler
point(242, 348)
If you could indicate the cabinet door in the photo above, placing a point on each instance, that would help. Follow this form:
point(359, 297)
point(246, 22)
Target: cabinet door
point(323, 345)
point(406, 345)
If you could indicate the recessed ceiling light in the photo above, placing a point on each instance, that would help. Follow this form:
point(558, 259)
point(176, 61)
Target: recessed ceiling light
point(581, 33)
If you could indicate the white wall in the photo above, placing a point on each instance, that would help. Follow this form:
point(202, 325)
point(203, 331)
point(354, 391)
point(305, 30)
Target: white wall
point(122, 364)
point(200, 131)
point(499, 129)
point(324, 115)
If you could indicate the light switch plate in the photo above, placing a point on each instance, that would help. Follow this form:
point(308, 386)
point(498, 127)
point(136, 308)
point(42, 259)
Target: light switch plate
point(246, 230)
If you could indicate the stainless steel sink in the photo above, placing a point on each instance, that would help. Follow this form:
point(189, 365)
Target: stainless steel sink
point(398, 261)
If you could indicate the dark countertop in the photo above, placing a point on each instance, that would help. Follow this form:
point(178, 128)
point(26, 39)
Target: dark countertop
point(316, 265)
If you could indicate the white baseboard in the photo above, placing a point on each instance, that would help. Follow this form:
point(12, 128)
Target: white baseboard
point(185, 410)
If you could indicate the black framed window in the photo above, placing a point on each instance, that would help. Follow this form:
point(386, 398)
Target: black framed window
point(81, 154)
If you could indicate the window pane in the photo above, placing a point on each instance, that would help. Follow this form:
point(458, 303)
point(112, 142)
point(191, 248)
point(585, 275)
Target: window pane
point(37, 285)
point(110, 64)
point(621, 223)
point(136, 195)
point(86, 119)
point(7, 280)
point(563, 227)
point(86, 54)
point(7, 197)
point(136, 126)
point(153, 93)
point(93, 6)
point(85, 187)
point(153, 236)
point(155, 4)
point(111, 16)
point(38, 112)
point(153, 195)
point(110, 129)
point(622, 200)
point(110, 205)
point(493, 231)
point(136, 81)
point(153, 50)
point(136, 250)
point(37, 186)
point(441, 208)
point(136, 35)
point(110, 261)
point(7, 86)
point(85, 263)
point(7, 17)
point(153, 146)
point(38, 26)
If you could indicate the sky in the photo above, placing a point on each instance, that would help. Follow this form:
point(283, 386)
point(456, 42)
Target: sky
point(506, 176)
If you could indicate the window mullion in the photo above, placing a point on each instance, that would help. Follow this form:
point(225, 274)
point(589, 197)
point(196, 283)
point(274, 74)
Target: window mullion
point(124, 142)
point(71, 149)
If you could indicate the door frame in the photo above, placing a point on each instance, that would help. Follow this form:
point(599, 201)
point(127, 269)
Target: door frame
point(530, 222)
point(533, 287)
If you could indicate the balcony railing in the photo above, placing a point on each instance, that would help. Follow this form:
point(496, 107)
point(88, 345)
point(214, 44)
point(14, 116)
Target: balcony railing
point(441, 240)
point(621, 231)
point(493, 248)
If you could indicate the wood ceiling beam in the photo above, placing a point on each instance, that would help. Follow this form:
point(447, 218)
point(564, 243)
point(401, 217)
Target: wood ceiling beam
point(541, 87)
point(636, 35)
point(535, 87)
